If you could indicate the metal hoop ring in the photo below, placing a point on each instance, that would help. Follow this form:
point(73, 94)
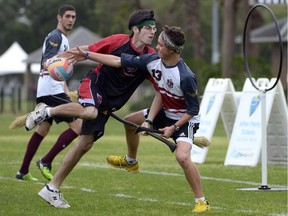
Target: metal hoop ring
point(244, 45)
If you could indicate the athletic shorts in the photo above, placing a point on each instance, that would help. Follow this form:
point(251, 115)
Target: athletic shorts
point(91, 95)
point(56, 100)
point(95, 126)
point(95, 90)
point(185, 133)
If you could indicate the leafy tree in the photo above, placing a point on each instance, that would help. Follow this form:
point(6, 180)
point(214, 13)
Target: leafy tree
point(11, 28)
point(193, 20)
point(29, 21)
point(43, 16)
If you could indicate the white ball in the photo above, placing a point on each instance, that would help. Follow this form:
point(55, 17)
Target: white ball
point(60, 69)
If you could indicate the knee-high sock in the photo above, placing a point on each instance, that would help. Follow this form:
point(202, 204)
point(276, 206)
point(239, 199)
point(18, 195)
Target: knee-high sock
point(31, 150)
point(63, 141)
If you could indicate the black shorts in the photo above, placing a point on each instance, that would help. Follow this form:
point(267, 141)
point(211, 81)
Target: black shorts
point(95, 126)
point(103, 92)
point(186, 131)
point(56, 100)
point(90, 92)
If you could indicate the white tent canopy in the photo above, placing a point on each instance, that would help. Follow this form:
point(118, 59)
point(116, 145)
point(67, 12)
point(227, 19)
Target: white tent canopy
point(12, 61)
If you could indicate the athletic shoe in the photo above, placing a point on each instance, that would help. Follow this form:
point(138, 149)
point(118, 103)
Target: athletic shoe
point(26, 177)
point(45, 169)
point(120, 162)
point(54, 198)
point(201, 206)
point(35, 117)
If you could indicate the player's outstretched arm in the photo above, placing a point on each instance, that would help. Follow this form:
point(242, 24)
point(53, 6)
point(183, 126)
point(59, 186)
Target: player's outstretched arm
point(81, 54)
point(67, 54)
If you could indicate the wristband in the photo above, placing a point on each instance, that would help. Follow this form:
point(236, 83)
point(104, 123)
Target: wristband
point(86, 55)
point(150, 122)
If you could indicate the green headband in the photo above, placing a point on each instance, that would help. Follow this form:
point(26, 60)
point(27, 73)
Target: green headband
point(145, 23)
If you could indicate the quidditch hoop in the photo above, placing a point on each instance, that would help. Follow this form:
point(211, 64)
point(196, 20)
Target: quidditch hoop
point(280, 45)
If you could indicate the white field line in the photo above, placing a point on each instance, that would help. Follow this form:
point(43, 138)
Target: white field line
point(147, 199)
point(106, 166)
point(181, 175)
point(121, 195)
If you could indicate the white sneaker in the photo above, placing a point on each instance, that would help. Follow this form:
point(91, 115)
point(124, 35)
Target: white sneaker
point(35, 117)
point(54, 198)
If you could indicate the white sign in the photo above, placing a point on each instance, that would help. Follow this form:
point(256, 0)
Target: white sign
point(277, 139)
point(246, 140)
point(218, 93)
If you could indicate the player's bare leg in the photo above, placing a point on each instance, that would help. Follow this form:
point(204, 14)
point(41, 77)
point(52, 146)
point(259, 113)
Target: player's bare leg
point(129, 162)
point(133, 139)
point(50, 193)
point(183, 156)
point(74, 110)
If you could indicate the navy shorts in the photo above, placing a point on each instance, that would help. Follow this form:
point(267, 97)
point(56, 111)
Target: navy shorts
point(56, 100)
point(161, 120)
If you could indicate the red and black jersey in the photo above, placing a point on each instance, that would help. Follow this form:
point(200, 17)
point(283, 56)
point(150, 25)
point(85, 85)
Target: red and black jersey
point(121, 82)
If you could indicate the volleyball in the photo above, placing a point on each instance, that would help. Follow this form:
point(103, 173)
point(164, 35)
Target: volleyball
point(60, 69)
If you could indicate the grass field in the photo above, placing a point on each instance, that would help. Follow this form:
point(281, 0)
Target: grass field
point(94, 188)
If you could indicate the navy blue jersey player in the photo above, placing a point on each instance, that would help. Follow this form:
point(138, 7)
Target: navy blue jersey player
point(177, 85)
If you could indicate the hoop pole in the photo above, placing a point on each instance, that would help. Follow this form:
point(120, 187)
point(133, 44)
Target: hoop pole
point(264, 140)
point(262, 90)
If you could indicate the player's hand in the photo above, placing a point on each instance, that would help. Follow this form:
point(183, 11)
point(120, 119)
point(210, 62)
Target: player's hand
point(147, 125)
point(167, 131)
point(77, 55)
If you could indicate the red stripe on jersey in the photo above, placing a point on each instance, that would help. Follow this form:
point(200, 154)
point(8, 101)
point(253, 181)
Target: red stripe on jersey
point(173, 103)
point(165, 91)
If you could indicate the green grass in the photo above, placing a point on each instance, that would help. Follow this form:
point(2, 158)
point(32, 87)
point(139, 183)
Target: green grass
point(159, 189)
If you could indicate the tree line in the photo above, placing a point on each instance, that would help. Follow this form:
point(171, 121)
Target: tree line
point(29, 21)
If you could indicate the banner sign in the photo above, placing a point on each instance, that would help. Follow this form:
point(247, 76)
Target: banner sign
point(218, 93)
point(246, 139)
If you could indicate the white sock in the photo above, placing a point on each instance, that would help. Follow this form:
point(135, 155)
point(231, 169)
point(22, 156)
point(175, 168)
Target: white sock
point(198, 199)
point(47, 111)
point(130, 160)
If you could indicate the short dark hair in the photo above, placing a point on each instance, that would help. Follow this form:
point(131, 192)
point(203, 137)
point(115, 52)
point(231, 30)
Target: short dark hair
point(139, 16)
point(63, 8)
point(176, 34)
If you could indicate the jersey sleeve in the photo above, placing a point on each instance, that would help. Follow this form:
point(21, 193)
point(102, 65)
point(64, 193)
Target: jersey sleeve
point(141, 61)
point(189, 87)
point(52, 45)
